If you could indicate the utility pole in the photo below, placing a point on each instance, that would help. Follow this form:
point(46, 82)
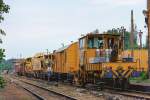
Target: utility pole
point(148, 16)
point(122, 31)
point(148, 4)
point(47, 53)
point(132, 34)
point(147, 21)
point(140, 47)
point(140, 36)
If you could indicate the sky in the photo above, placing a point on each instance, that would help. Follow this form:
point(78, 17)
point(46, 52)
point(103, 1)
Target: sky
point(33, 26)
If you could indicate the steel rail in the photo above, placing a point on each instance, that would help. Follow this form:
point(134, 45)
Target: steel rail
point(33, 93)
point(54, 92)
point(114, 92)
point(118, 91)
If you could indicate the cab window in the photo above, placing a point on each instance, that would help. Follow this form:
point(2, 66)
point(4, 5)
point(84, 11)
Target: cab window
point(100, 42)
point(90, 42)
point(110, 43)
point(95, 43)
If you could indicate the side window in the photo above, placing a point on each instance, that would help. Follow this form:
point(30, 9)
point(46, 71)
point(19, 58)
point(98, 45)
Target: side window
point(90, 43)
point(81, 43)
point(96, 43)
point(120, 44)
point(100, 42)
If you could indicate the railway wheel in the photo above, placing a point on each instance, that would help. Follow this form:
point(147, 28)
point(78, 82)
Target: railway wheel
point(121, 83)
point(76, 78)
point(117, 83)
point(125, 84)
point(81, 78)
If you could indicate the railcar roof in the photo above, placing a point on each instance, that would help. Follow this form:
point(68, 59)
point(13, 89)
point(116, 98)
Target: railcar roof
point(98, 34)
point(62, 48)
point(65, 47)
point(18, 60)
point(39, 54)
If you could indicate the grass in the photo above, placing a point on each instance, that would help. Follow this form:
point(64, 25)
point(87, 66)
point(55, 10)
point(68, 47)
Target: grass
point(142, 79)
point(2, 82)
point(139, 80)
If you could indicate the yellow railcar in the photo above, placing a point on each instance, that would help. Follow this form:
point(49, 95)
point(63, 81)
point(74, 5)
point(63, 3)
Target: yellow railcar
point(40, 63)
point(66, 60)
point(28, 66)
point(141, 56)
point(37, 64)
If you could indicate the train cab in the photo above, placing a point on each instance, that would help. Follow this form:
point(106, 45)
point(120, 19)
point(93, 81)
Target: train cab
point(96, 48)
point(100, 58)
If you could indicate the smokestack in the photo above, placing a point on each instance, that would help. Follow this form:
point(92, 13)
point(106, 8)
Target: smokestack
point(132, 33)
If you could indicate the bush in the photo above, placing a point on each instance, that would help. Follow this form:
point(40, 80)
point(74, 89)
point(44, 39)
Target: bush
point(2, 82)
point(143, 75)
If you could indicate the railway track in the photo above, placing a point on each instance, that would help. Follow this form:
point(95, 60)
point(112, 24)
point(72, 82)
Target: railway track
point(10, 80)
point(76, 92)
point(136, 95)
point(33, 93)
point(40, 92)
point(133, 95)
point(140, 95)
point(115, 91)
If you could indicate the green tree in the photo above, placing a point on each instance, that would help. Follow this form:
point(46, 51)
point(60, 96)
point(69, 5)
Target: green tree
point(113, 31)
point(2, 55)
point(4, 8)
point(126, 38)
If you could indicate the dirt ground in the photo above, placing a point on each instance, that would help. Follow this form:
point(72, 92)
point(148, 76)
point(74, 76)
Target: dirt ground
point(14, 92)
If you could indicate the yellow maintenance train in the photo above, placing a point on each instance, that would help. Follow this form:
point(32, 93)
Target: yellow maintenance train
point(95, 58)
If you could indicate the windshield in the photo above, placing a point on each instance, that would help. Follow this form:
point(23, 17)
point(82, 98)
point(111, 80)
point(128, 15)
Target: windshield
point(95, 43)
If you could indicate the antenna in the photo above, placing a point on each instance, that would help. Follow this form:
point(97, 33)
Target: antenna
point(62, 44)
point(96, 31)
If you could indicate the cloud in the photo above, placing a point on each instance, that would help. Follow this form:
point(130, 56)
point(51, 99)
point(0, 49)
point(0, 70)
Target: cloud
point(128, 2)
point(116, 2)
